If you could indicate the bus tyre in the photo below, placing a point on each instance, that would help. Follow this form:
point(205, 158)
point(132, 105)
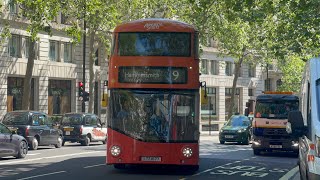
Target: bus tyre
point(86, 141)
point(119, 166)
point(193, 168)
point(256, 151)
point(221, 142)
point(34, 144)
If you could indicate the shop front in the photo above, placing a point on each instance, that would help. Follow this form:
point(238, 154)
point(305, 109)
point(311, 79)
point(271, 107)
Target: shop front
point(59, 99)
point(15, 94)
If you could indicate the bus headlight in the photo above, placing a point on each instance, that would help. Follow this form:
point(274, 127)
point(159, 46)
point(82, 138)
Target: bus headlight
point(187, 152)
point(115, 150)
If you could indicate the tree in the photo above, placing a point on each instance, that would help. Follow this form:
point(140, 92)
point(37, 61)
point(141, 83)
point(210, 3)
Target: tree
point(238, 28)
point(38, 15)
point(101, 16)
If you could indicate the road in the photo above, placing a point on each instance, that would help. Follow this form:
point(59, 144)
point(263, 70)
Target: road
point(228, 161)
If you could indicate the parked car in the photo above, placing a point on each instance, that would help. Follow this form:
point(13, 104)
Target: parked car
point(83, 128)
point(236, 129)
point(35, 127)
point(12, 144)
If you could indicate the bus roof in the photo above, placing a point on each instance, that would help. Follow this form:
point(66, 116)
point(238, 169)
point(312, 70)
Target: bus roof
point(155, 25)
point(284, 97)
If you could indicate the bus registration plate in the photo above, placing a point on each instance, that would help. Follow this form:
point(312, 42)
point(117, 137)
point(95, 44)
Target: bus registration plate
point(275, 146)
point(151, 158)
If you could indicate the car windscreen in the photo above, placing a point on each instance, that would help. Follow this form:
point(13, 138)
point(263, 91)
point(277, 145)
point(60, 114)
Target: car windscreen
point(154, 44)
point(238, 121)
point(16, 118)
point(74, 119)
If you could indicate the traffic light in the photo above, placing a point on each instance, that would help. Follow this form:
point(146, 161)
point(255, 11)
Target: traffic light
point(85, 96)
point(81, 89)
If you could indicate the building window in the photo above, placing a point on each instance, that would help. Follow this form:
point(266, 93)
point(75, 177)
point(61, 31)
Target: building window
point(214, 70)
point(204, 66)
point(67, 54)
point(267, 84)
point(53, 50)
point(64, 18)
point(96, 57)
point(15, 94)
point(279, 83)
point(26, 45)
point(14, 46)
point(250, 92)
point(13, 8)
point(251, 70)
point(229, 69)
point(228, 93)
point(210, 108)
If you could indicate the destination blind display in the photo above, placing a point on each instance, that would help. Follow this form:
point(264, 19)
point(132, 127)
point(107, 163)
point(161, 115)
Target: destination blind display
point(153, 75)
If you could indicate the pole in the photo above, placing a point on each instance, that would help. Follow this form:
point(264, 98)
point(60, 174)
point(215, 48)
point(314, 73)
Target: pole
point(84, 61)
point(209, 116)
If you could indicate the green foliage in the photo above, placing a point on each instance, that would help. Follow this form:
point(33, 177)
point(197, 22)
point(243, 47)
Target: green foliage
point(292, 71)
point(39, 13)
point(5, 33)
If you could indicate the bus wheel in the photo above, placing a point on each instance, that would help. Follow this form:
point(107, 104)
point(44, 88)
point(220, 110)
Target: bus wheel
point(256, 152)
point(119, 166)
point(193, 168)
point(221, 142)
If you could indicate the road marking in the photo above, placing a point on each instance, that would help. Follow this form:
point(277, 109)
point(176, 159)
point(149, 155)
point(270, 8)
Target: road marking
point(95, 165)
point(290, 174)
point(207, 170)
point(51, 157)
point(41, 175)
point(33, 154)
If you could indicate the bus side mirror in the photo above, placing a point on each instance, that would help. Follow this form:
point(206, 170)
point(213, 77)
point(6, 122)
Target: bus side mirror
point(295, 125)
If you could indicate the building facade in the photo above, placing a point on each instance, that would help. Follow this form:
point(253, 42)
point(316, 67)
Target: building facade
point(218, 73)
point(56, 73)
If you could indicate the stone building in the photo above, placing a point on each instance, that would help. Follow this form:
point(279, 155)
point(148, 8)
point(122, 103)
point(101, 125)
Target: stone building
point(217, 71)
point(57, 68)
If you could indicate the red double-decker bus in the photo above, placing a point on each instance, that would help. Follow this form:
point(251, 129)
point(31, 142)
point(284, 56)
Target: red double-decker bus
point(153, 111)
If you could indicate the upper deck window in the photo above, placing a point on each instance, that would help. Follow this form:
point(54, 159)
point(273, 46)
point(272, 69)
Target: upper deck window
point(154, 44)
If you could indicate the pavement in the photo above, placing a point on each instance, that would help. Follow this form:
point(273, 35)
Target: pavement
point(293, 174)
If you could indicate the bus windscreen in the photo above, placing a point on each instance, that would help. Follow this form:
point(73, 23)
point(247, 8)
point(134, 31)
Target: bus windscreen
point(154, 116)
point(154, 44)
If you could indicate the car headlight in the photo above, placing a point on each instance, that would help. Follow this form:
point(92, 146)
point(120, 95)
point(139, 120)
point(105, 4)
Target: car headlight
point(221, 130)
point(241, 130)
point(187, 152)
point(115, 150)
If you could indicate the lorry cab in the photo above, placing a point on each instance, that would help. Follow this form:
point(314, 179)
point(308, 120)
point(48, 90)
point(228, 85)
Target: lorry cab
point(269, 123)
point(306, 122)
